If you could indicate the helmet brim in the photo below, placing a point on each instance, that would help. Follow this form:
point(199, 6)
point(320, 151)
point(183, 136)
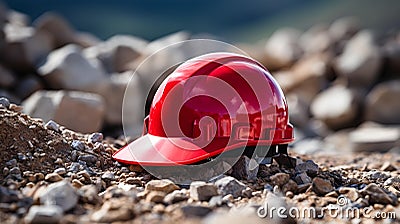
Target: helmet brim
point(151, 150)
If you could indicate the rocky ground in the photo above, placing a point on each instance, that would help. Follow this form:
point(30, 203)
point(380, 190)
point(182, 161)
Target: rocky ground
point(341, 82)
point(50, 174)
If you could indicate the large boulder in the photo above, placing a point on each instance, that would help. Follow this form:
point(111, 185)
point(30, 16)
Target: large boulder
point(25, 47)
point(316, 40)
point(382, 104)
point(57, 27)
point(79, 111)
point(361, 60)
point(118, 52)
point(337, 107)
point(307, 76)
point(369, 138)
point(119, 87)
point(66, 68)
point(283, 48)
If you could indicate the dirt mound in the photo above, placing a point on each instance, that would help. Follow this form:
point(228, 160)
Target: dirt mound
point(26, 142)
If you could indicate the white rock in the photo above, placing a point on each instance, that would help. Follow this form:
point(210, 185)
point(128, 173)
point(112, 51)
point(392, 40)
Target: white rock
point(66, 68)
point(229, 185)
point(17, 18)
point(79, 111)
point(61, 194)
point(337, 106)
point(306, 78)
point(118, 52)
point(44, 214)
point(361, 60)
point(283, 47)
point(316, 40)
point(374, 138)
point(117, 88)
point(382, 104)
point(202, 191)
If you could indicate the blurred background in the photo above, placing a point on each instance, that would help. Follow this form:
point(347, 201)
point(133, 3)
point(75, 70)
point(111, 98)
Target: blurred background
point(231, 20)
point(338, 62)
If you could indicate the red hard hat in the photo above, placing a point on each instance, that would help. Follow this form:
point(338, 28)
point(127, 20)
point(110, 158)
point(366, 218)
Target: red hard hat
point(210, 104)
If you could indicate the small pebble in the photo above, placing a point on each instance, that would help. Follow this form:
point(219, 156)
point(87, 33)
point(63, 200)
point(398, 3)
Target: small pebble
point(60, 171)
point(4, 102)
point(53, 177)
point(78, 145)
point(52, 125)
point(95, 137)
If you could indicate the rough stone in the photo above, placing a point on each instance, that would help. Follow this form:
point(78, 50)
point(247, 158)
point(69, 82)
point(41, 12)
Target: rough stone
point(377, 195)
point(89, 159)
point(95, 137)
point(307, 77)
point(283, 48)
point(344, 28)
point(60, 171)
point(108, 176)
point(44, 214)
point(280, 179)
point(118, 52)
point(195, 210)
point(309, 166)
point(361, 60)
point(392, 180)
point(382, 103)
point(78, 111)
point(230, 185)
point(60, 30)
point(176, 196)
point(317, 39)
point(245, 169)
point(120, 86)
point(155, 196)
point(25, 47)
point(321, 186)
point(112, 211)
point(388, 166)
point(53, 177)
point(4, 102)
point(52, 125)
point(290, 186)
point(302, 178)
point(376, 175)
point(61, 193)
point(374, 138)
point(90, 194)
point(202, 191)
point(350, 193)
point(163, 185)
point(337, 106)
point(67, 68)
point(134, 181)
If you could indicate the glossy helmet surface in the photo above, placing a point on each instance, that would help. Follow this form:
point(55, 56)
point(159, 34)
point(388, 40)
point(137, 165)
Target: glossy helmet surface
point(210, 104)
